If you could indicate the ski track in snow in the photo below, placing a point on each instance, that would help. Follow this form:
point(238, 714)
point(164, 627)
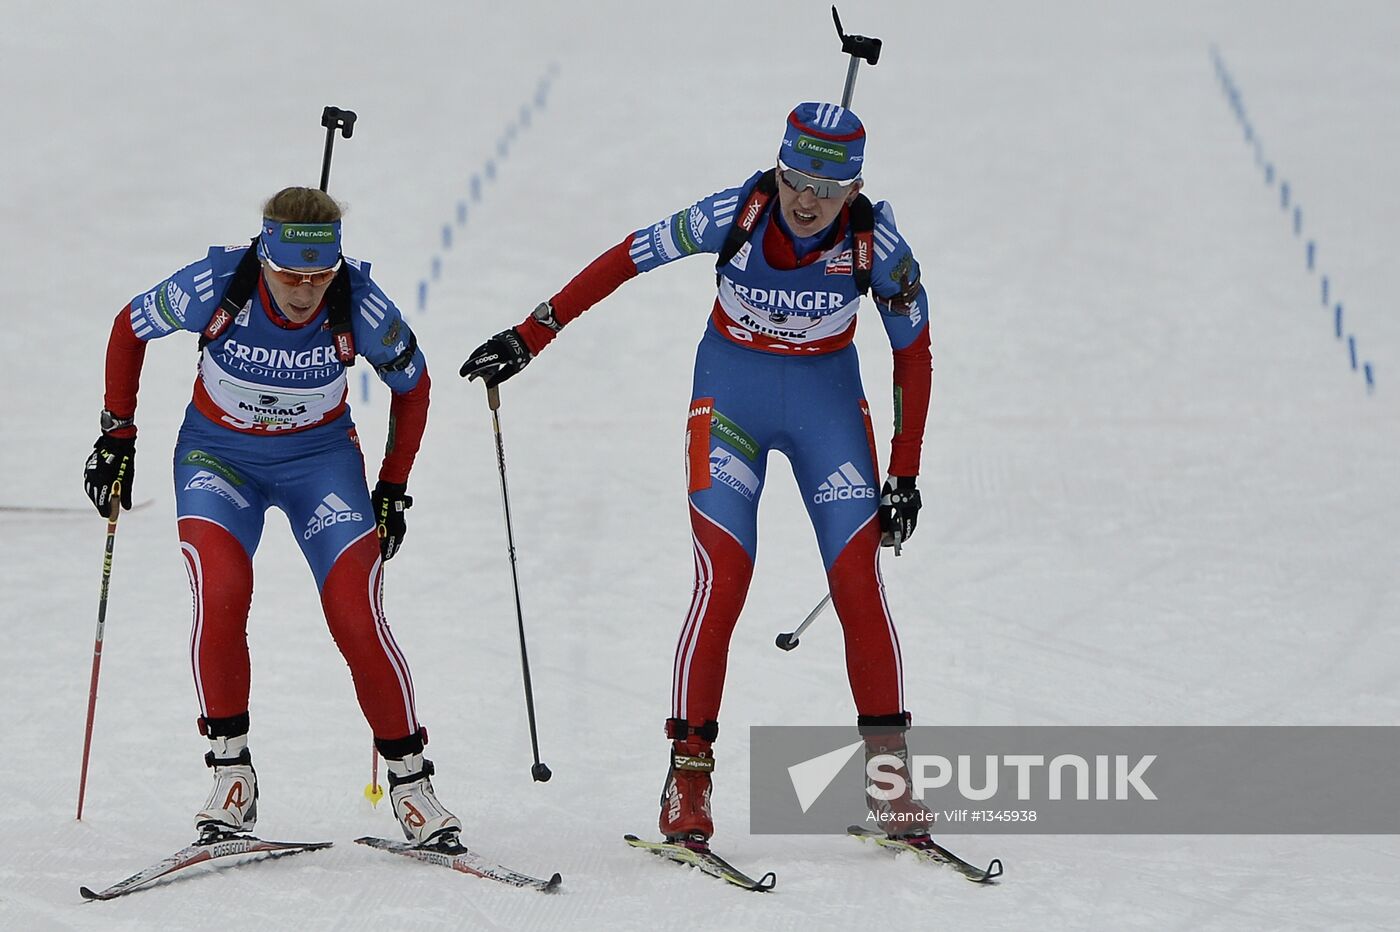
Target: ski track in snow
point(1155, 493)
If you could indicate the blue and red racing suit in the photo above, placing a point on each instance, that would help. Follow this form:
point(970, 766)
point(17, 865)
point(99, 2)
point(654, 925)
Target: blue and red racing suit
point(777, 370)
point(269, 426)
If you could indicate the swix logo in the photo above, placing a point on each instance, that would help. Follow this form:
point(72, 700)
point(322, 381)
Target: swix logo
point(344, 346)
point(844, 484)
point(332, 510)
point(863, 245)
point(751, 211)
point(217, 323)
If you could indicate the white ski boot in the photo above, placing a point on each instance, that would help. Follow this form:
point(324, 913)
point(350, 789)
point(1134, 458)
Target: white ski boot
point(422, 817)
point(233, 804)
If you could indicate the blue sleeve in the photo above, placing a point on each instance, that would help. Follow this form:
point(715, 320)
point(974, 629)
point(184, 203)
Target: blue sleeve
point(895, 282)
point(700, 227)
point(381, 334)
point(187, 299)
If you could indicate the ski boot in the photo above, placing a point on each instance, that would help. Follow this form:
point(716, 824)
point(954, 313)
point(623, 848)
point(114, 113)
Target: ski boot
point(424, 820)
point(232, 807)
point(901, 816)
point(685, 799)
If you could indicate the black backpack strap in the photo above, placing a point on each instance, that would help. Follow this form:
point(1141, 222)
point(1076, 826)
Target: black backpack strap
point(863, 232)
point(746, 220)
point(239, 290)
point(338, 312)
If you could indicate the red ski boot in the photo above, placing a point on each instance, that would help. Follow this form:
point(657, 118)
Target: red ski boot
point(900, 815)
point(685, 801)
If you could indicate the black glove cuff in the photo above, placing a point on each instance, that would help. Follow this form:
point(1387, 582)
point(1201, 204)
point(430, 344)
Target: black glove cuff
point(516, 342)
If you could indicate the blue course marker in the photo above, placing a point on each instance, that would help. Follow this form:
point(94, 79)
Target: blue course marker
point(476, 187)
point(364, 386)
point(461, 213)
point(491, 170)
point(446, 236)
point(437, 268)
point(422, 296)
point(1288, 204)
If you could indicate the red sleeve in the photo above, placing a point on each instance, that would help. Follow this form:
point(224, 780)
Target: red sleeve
point(913, 383)
point(602, 277)
point(125, 354)
point(408, 415)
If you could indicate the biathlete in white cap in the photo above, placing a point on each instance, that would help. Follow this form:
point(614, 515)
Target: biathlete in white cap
point(798, 247)
point(280, 320)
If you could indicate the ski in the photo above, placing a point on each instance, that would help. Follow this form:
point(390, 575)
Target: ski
point(698, 854)
point(927, 849)
point(223, 846)
point(461, 859)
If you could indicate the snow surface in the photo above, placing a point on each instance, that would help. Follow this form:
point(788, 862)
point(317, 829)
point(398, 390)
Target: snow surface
point(1157, 492)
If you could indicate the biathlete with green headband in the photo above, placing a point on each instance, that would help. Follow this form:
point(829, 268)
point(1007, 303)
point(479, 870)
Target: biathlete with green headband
point(280, 321)
point(797, 248)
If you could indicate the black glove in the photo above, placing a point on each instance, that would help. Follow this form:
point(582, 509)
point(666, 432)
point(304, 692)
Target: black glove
point(390, 503)
point(498, 358)
point(899, 510)
point(113, 459)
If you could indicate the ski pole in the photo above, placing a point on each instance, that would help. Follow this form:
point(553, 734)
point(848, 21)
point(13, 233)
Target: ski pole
point(333, 118)
point(115, 510)
point(539, 771)
point(858, 47)
point(373, 791)
point(789, 640)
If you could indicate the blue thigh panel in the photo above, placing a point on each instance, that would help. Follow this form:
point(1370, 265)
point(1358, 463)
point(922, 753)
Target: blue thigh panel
point(829, 444)
point(740, 435)
point(812, 409)
point(316, 477)
point(213, 483)
point(327, 505)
